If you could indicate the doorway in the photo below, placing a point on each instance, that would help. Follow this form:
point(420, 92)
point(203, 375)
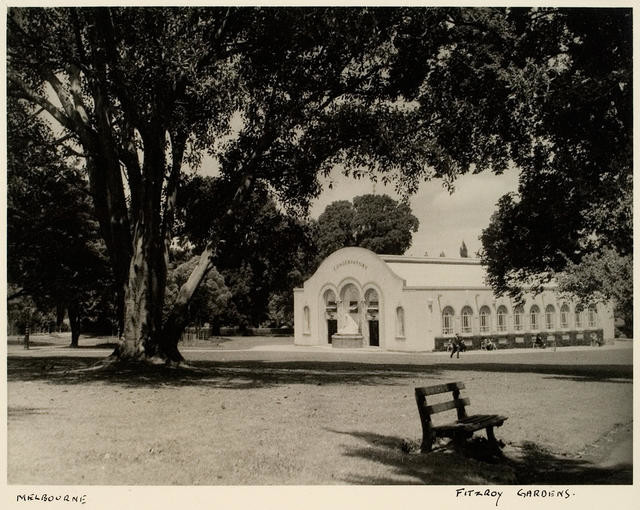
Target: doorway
point(374, 338)
point(373, 316)
point(332, 328)
point(330, 312)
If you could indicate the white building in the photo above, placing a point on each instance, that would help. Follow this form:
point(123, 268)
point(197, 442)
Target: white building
point(359, 299)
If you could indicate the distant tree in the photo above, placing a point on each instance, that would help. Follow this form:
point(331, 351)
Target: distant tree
point(599, 278)
point(210, 299)
point(375, 222)
point(335, 228)
point(266, 251)
point(280, 311)
point(425, 254)
point(442, 254)
point(55, 253)
point(463, 250)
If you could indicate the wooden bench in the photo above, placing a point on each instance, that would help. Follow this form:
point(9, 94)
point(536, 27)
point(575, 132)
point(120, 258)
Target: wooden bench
point(463, 427)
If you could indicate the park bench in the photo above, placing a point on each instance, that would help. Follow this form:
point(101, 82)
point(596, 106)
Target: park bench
point(463, 427)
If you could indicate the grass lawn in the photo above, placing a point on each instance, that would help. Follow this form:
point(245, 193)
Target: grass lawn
point(260, 417)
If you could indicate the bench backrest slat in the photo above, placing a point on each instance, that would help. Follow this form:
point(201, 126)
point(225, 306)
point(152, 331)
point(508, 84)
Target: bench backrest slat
point(440, 388)
point(457, 403)
point(445, 406)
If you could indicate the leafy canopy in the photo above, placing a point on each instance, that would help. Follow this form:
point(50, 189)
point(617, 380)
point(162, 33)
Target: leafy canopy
point(375, 222)
point(575, 193)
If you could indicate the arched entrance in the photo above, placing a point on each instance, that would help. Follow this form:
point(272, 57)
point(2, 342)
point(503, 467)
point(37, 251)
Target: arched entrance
point(331, 313)
point(373, 319)
point(350, 305)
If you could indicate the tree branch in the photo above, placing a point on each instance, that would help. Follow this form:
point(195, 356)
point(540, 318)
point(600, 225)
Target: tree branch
point(76, 93)
point(215, 42)
point(17, 294)
point(23, 91)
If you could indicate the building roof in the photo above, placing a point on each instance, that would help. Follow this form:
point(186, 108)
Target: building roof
point(437, 272)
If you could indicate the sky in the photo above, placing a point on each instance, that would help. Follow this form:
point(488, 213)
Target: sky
point(445, 219)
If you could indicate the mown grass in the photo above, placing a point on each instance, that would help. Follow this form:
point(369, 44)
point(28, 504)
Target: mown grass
point(276, 420)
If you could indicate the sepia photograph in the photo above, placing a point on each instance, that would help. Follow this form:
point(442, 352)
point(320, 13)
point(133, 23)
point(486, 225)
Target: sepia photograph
point(319, 246)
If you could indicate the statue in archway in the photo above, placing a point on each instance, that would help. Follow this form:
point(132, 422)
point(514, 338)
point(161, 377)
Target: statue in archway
point(346, 324)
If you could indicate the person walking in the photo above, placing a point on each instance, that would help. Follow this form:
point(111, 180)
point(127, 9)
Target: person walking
point(457, 347)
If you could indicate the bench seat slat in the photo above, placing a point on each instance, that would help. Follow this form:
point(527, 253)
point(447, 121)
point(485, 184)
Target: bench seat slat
point(440, 388)
point(473, 423)
point(489, 421)
point(477, 418)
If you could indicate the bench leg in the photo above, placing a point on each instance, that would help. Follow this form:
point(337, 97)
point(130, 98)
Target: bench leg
point(491, 436)
point(427, 442)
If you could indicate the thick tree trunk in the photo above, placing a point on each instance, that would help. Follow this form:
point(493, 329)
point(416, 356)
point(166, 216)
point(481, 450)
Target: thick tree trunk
point(74, 322)
point(145, 286)
point(144, 296)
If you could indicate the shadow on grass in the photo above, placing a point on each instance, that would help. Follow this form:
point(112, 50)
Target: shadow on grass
point(32, 343)
point(537, 465)
point(217, 374)
point(251, 374)
point(475, 463)
point(584, 372)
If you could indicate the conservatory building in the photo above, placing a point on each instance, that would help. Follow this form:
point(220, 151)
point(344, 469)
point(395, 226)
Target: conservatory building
point(398, 303)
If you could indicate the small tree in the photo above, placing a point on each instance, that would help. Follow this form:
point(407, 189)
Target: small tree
point(463, 250)
point(600, 278)
point(209, 301)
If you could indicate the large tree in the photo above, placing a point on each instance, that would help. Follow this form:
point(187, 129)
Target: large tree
point(574, 198)
point(277, 96)
point(376, 222)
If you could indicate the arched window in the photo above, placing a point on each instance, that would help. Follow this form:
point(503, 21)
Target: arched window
point(330, 302)
point(578, 316)
point(592, 316)
point(447, 321)
point(400, 322)
point(534, 318)
point(371, 298)
point(550, 317)
point(467, 315)
point(518, 318)
point(502, 318)
point(485, 319)
point(564, 316)
point(307, 320)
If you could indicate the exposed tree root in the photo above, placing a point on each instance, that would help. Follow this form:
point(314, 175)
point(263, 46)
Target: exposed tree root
point(142, 364)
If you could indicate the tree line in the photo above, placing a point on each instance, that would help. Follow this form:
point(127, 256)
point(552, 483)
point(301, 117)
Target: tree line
point(281, 96)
